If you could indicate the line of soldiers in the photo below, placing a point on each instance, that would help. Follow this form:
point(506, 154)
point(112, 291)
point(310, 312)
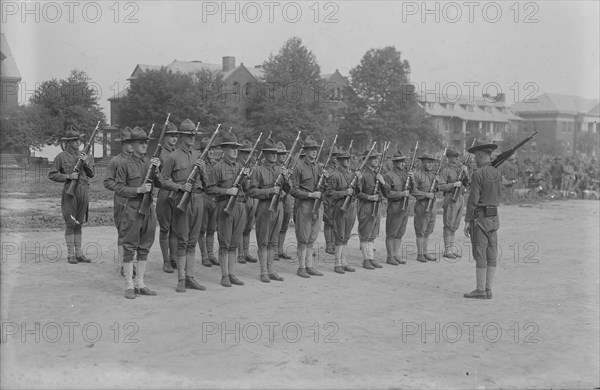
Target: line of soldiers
point(269, 194)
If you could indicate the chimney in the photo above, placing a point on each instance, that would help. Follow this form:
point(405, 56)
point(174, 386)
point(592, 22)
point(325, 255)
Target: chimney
point(228, 64)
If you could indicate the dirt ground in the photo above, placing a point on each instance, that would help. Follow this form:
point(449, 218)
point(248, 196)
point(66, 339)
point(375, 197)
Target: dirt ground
point(408, 326)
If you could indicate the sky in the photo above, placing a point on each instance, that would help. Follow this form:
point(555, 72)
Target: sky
point(520, 48)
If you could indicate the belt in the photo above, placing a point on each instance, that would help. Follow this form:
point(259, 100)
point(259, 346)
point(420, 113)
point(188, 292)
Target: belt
point(197, 191)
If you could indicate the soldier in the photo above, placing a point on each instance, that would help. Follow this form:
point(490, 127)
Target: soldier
point(268, 224)
point(206, 240)
point(424, 221)
point(337, 189)
point(185, 224)
point(288, 204)
point(249, 209)
point(109, 182)
point(396, 220)
point(481, 218)
point(74, 208)
point(136, 230)
point(327, 211)
point(452, 209)
point(164, 207)
point(304, 188)
point(368, 226)
point(229, 226)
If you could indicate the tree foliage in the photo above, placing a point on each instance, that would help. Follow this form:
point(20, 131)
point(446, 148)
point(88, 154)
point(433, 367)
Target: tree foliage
point(384, 105)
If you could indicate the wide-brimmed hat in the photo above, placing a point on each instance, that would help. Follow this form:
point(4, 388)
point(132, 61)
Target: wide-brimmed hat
point(270, 146)
point(373, 155)
point(187, 127)
point(229, 139)
point(343, 153)
point(335, 151)
point(72, 134)
point(310, 143)
point(281, 149)
point(246, 146)
point(452, 152)
point(483, 144)
point(171, 129)
point(428, 155)
point(204, 143)
point(398, 156)
point(124, 135)
point(138, 134)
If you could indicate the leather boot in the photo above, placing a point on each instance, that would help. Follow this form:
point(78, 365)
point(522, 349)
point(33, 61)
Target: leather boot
point(371, 252)
point(338, 261)
point(397, 251)
point(479, 292)
point(262, 259)
point(302, 262)
point(224, 269)
point(346, 267)
point(420, 250)
point(181, 260)
point(389, 247)
point(366, 260)
point(489, 280)
point(312, 271)
point(271, 250)
point(129, 288)
point(282, 253)
point(328, 233)
point(203, 253)
point(231, 260)
point(448, 244)
point(164, 249)
point(425, 249)
point(246, 244)
point(210, 244)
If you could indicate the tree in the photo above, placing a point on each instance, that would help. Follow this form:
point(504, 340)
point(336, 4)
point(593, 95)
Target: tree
point(588, 142)
point(27, 126)
point(384, 105)
point(69, 102)
point(292, 95)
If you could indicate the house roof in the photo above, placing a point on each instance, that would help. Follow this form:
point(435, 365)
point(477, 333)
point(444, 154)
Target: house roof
point(557, 103)
point(9, 69)
point(487, 114)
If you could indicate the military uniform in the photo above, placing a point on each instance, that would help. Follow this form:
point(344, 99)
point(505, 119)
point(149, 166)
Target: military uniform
point(327, 209)
point(206, 239)
point(482, 220)
point(136, 230)
point(185, 224)
point(396, 219)
point(304, 181)
point(74, 208)
point(288, 204)
point(249, 210)
point(164, 213)
point(343, 221)
point(452, 209)
point(229, 226)
point(368, 226)
point(268, 224)
point(424, 222)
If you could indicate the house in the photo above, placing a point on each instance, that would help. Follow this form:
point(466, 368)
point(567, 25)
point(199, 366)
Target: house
point(559, 119)
point(334, 87)
point(9, 76)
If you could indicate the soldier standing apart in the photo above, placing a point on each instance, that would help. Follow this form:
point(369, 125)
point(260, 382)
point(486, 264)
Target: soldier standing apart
point(185, 224)
point(229, 226)
point(452, 209)
point(327, 210)
point(337, 189)
point(481, 219)
point(249, 210)
point(368, 226)
point(136, 230)
point(288, 204)
point(164, 207)
point(74, 208)
point(268, 224)
point(304, 188)
point(424, 221)
point(109, 182)
point(206, 240)
point(396, 220)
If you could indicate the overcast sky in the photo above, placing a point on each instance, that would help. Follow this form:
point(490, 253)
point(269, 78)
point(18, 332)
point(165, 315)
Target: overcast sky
point(526, 48)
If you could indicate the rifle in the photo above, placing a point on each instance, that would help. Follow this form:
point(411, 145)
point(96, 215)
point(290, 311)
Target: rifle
point(502, 157)
point(241, 177)
point(151, 172)
point(434, 184)
point(375, 211)
point(355, 179)
point(410, 181)
point(255, 163)
point(280, 178)
point(321, 182)
point(270, 134)
point(183, 203)
point(350, 146)
point(319, 152)
point(462, 176)
point(77, 169)
point(151, 130)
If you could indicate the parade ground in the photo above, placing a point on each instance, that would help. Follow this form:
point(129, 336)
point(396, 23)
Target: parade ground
point(408, 326)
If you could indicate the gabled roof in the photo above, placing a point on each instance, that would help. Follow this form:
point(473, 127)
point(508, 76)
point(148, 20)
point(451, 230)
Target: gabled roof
point(8, 69)
point(336, 76)
point(194, 66)
point(557, 103)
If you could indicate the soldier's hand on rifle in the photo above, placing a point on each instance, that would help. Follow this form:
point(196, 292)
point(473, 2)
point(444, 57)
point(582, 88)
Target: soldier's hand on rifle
point(349, 192)
point(73, 176)
point(326, 174)
point(285, 172)
point(359, 175)
point(246, 171)
point(187, 187)
point(430, 195)
point(274, 190)
point(83, 157)
point(411, 172)
point(457, 184)
point(465, 169)
point(146, 187)
point(155, 161)
point(233, 191)
point(315, 195)
point(200, 164)
point(405, 193)
point(380, 178)
point(373, 198)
